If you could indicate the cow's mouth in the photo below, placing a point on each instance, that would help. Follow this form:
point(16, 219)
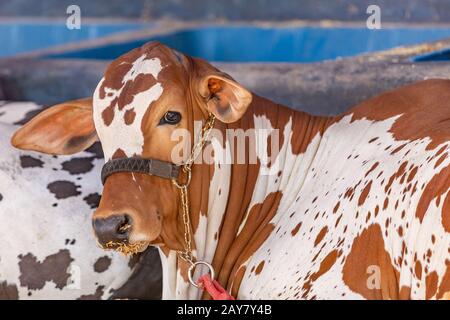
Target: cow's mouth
point(127, 249)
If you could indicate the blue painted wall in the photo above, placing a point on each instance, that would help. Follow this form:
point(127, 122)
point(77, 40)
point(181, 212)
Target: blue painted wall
point(22, 37)
point(251, 44)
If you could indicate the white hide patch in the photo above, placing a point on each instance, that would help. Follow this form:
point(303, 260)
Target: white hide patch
point(313, 183)
point(169, 276)
point(12, 112)
point(117, 135)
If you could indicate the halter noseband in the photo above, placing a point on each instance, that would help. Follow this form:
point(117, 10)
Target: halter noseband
point(153, 167)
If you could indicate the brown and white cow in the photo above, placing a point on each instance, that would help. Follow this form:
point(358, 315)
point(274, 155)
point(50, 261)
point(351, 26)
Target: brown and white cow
point(358, 207)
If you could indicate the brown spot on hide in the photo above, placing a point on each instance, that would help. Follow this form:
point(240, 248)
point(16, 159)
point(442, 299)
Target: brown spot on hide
point(296, 229)
point(321, 235)
point(102, 264)
point(129, 116)
point(368, 254)
point(259, 267)
point(8, 291)
point(34, 274)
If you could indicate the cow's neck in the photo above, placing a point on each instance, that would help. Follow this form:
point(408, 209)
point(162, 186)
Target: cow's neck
point(232, 205)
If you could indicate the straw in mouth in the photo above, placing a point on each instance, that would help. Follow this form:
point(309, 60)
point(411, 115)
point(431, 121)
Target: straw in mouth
point(126, 249)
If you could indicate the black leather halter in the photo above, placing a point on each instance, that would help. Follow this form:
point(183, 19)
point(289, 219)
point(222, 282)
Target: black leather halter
point(153, 167)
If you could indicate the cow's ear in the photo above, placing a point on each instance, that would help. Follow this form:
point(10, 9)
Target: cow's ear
point(225, 98)
point(65, 128)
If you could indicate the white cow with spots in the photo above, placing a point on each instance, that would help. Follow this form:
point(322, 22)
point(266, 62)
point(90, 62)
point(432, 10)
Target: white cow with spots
point(48, 250)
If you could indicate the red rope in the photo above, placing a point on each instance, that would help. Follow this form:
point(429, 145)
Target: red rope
point(215, 290)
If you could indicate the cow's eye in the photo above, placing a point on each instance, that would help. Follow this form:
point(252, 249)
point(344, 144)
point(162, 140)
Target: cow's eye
point(170, 117)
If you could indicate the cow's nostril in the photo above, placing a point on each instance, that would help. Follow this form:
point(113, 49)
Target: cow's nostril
point(115, 228)
point(125, 226)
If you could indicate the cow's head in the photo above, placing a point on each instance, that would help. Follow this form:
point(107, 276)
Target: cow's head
point(143, 97)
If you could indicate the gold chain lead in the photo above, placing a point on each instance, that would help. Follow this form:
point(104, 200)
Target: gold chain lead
point(198, 146)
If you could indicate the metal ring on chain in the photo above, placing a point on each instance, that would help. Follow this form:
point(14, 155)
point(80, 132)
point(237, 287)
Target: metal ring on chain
point(192, 269)
point(188, 180)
